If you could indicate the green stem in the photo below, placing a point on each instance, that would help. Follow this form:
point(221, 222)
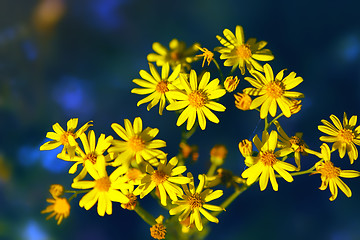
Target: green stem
point(212, 170)
point(75, 193)
point(145, 215)
point(276, 118)
point(303, 172)
point(232, 197)
point(218, 68)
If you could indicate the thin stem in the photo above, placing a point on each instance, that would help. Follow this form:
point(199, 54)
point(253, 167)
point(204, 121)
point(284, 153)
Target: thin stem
point(219, 69)
point(276, 118)
point(212, 170)
point(232, 197)
point(145, 215)
point(75, 193)
point(303, 172)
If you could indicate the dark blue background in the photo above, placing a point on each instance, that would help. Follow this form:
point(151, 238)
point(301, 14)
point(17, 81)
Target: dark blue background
point(83, 68)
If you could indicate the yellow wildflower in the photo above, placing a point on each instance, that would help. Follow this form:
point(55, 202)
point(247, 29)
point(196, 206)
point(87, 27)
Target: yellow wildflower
point(195, 202)
point(157, 86)
point(231, 83)
point(295, 106)
point(197, 100)
point(266, 162)
point(65, 138)
point(296, 143)
point(158, 230)
point(138, 144)
point(56, 190)
point(105, 189)
point(60, 208)
point(344, 136)
point(330, 175)
point(208, 55)
point(242, 101)
point(238, 53)
point(91, 154)
point(164, 179)
point(132, 196)
point(273, 91)
point(175, 55)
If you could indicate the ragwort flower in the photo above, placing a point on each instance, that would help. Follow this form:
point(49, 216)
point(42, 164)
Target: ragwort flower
point(344, 136)
point(175, 55)
point(65, 138)
point(60, 208)
point(91, 154)
point(164, 178)
point(105, 189)
point(208, 55)
point(266, 162)
point(273, 91)
point(195, 202)
point(197, 100)
point(138, 144)
point(238, 53)
point(157, 86)
point(330, 175)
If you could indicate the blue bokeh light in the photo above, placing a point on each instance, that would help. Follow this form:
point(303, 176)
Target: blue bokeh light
point(33, 231)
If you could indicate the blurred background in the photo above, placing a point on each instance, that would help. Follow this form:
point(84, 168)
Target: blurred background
point(64, 59)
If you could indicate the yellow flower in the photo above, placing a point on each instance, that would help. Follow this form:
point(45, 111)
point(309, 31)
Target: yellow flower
point(60, 208)
point(238, 53)
point(91, 154)
point(65, 138)
point(197, 100)
point(208, 55)
point(343, 136)
point(164, 179)
point(105, 189)
point(158, 231)
point(242, 101)
point(295, 106)
point(273, 91)
point(138, 144)
point(129, 193)
point(330, 175)
point(266, 162)
point(195, 202)
point(175, 55)
point(296, 143)
point(231, 83)
point(157, 86)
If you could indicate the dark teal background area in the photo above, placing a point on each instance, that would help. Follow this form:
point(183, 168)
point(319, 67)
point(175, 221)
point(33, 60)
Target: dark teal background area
point(84, 68)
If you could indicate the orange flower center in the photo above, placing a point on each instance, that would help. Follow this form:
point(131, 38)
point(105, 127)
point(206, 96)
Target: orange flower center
point(158, 231)
point(158, 177)
point(268, 158)
point(133, 174)
point(346, 135)
point(328, 170)
point(132, 202)
point(197, 99)
point(175, 55)
point(195, 201)
point(136, 143)
point(298, 142)
point(243, 51)
point(103, 184)
point(161, 87)
point(64, 138)
point(62, 206)
point(274, 89)
point(91, 157)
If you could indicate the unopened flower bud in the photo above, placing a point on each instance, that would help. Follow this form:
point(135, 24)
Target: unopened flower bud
point(56, 190)
point(295, 106)
point(245, 147)
point(231, 83)
point(242, 101)
point(218, 154)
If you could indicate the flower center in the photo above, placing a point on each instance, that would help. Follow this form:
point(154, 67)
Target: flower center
point(268, 158)
point(158, 177)
point(329, 170)
point(274, 89)
point(158, 231)
point(197, 99)
point(132, 202)
point(136, 143)
point(175, 55)
point(299, 143)
point(103, 184)
point(133, 174)
point(195, 201)
point(346, 135)
point(64, 138)
point(161, 87)
point(61, 206)
point(243, 51)
point(91, 157)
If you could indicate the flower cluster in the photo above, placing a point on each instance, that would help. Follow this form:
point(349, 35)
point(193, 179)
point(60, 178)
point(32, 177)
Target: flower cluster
point(133, 165)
